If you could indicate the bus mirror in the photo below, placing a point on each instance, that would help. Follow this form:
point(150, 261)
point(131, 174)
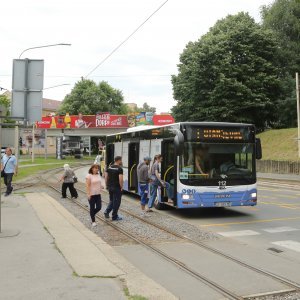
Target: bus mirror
point(258, 149)
point(178, 143)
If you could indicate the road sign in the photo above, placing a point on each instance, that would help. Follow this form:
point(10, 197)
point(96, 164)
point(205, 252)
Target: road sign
point(27, 89)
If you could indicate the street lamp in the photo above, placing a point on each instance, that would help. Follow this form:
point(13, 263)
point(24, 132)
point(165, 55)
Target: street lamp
point(60, 44)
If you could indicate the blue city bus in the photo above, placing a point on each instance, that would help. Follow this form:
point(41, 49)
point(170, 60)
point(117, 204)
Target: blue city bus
point(208, 164)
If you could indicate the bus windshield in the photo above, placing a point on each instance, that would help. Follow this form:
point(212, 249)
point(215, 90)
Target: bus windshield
point(208, 163)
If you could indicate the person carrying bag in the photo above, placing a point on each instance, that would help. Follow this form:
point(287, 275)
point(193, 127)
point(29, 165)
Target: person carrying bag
point(8, 169)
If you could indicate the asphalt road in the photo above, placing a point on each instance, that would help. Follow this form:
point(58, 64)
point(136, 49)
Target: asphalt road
point(273, 223)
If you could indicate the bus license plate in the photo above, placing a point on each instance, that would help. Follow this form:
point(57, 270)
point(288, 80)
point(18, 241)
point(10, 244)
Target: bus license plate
point(222, 204)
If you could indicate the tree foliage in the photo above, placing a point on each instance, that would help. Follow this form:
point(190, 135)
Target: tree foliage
point(5, 103)
point(283, 18)
point(145, 108)
point(229, 74)
point(88, 97)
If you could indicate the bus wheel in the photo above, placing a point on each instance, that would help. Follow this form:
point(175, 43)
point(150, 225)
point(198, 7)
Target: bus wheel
point(158, 205)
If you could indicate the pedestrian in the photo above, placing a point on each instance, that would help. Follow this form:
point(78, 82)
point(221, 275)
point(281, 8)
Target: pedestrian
point(9, 168)
point(114, 184)
point(68, 182)
point(156, 181)
point(143, 180)
point(94, 189)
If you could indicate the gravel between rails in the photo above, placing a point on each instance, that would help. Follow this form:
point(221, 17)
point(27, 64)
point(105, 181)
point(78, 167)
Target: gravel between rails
point(141, 229)
point(103, 230)
point(288, 296)
point(148, 232)
point(136, 226)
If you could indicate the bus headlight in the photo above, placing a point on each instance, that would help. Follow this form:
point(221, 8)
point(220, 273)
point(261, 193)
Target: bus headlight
point(188, 197)
point(253, 195)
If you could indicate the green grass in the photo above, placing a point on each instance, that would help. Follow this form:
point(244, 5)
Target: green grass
point(280, 144)
point(134, 297)
point(43, 165)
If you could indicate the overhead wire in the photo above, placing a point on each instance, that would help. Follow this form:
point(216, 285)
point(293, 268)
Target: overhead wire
point(125, 40)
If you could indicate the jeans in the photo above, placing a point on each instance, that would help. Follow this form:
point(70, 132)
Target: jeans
point(72, 190)
point(153, 191)
point(115, 195)
point(144, 187)
point(95, 205)
point(7, 181)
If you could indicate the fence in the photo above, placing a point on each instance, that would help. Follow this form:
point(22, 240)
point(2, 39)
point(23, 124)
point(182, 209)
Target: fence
point(279, 167)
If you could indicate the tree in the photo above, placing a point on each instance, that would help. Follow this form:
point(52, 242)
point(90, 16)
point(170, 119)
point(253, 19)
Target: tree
point(88, 97)
point(229, 75)
point(283, 18)
point(5, 104)
point(146, 108)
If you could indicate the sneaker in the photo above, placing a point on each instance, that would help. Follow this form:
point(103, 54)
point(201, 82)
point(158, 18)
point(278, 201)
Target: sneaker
point(6, 194)
point(117, 219)
point(106, 215)
point(149, 210)
point(94, 224)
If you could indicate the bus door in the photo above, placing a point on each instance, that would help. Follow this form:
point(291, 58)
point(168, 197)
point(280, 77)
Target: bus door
point(168, 169)
point(133, 161)
point(110, 154)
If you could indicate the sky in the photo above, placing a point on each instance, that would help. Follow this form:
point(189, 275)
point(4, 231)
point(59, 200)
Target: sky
point(141, 68)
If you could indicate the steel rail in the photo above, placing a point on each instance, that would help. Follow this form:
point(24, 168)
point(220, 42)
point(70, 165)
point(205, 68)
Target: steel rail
point(208, 282)
point(295, 286)
point(291, 284)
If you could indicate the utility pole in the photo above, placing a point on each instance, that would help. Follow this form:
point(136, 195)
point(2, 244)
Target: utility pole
point(298, 111)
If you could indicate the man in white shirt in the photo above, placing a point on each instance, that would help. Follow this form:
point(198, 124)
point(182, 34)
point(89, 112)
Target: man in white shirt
point(9, 168)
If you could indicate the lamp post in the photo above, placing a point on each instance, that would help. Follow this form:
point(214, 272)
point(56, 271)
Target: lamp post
point(26, 78)
point(298, 111)
point(45, 46)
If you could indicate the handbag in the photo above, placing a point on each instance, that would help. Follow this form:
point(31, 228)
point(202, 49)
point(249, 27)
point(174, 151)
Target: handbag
point(2, 172)
point(75, 179)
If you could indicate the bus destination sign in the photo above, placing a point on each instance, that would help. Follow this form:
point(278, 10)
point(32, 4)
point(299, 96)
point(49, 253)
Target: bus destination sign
point(224, 134)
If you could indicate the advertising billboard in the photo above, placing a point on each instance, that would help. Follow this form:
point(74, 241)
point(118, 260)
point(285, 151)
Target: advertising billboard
point(101, 120)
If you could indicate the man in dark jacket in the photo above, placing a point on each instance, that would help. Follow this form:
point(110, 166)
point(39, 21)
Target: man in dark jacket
point(143, 179)
point(114, 184)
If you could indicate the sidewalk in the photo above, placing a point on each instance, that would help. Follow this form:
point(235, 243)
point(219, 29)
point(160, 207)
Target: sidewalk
point(56, 257)
point(283, 177)
point(33, 268)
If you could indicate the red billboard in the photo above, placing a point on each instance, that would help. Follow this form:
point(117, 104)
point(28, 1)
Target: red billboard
point(163, 119)
point(101, 120)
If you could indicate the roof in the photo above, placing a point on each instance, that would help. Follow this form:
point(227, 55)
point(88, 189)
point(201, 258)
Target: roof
point(49, 104)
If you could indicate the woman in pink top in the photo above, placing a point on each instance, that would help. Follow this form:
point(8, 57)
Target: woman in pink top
point(93, 188)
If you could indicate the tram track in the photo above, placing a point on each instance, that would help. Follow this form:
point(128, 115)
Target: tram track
point(285, 281)
point(293, 287)
point(223, 291)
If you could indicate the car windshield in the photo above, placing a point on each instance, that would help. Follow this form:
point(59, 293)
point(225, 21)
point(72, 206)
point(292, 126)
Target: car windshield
point(206, 164)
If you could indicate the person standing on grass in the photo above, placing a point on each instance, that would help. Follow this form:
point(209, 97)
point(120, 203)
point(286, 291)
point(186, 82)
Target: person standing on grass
point(94, 189)
point(143, 180)
point(68, 182)
point(9, 168)
point(114, 184)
